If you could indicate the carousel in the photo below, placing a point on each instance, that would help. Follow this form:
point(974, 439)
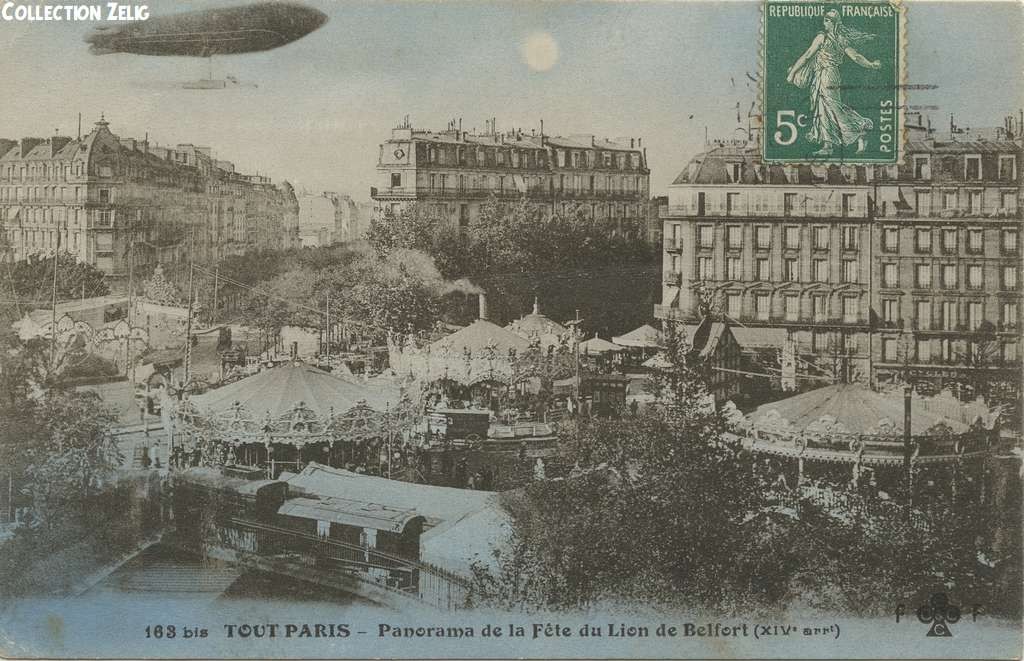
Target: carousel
point(481, 366)
point(849, 434)
point(285, 417)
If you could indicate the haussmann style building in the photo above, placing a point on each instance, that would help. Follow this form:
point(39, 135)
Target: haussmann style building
point(455, 172)
point(103, 198)
point(870, 271)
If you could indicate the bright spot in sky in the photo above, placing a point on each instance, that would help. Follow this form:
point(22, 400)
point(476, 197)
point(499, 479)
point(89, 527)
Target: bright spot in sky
point(540, 51)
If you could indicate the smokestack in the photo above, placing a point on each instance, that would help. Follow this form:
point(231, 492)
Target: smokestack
point(483, 305)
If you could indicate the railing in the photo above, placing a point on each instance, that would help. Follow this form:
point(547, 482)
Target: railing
point(764, 211)
point(845, 503)
point(420, 580)
point(929, 445)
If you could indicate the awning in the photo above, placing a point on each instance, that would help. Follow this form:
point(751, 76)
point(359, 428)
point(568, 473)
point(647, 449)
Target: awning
point(349, 513)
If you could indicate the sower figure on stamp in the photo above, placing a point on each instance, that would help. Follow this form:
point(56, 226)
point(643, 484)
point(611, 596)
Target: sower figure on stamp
point(833, 121)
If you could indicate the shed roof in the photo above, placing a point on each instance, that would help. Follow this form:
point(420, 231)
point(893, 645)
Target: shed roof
point(437, 504)
point(346, 511)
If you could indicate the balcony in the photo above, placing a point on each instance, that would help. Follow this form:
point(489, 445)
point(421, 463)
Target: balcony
point(763, 211)
point(673, 278)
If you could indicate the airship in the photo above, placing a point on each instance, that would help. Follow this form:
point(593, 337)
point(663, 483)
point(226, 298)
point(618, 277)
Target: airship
point(228, 31)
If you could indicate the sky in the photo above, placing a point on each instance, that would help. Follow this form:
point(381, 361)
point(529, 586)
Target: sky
point(662, 71)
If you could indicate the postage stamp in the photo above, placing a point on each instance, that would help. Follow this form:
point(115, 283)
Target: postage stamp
point(832, 81)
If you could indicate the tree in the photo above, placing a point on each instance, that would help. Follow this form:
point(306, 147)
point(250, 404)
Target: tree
point(654, 512)
point(32, 279)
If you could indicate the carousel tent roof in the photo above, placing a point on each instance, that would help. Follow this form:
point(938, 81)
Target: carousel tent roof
point(278, 389)
point(658, 361)
point(646, 336)
point(536, 323)
point(860, 410)
point(597, 345)
point(438, 504)
point(478, 336)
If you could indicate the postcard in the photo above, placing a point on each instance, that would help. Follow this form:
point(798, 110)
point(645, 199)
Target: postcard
point(511, 329)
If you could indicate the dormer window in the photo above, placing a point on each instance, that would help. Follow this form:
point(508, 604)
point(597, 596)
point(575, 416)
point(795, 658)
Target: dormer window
point(1007, 167)
point(922, 167)
point(972, 167)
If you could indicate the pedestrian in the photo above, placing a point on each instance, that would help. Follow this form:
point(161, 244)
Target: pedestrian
point(634, 406)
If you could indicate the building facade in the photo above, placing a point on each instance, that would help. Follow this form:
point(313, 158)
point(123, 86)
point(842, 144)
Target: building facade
point(110, 201)
point(455, 172)
point(870, 270)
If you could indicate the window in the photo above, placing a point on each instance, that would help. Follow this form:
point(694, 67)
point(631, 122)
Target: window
point(820, 270)
point(1009, 312)
point(607, 159)
point(949, 240)
point(103, 218)
point(106, 171)
point(700, 204)
point(705, 268)
point(1010, 351)
point(921, 167)
point(851, 310)
point(924, 351)
point(737, 172)
point(733, 269)
point(791, 272)
point(733, 304)
point(1009, 240)
point(849, 202)
point(923, 203)
point(788, 203)
point(923, 240)
point(891, 239)
point(677, 241)
point(849, 270)
point(974, 315)
point(975, 279)
point(705, 236)
point(923, 275)
point(675, 263)
point(762, 306)
point(792, 236)
point(975, 240)
point(849, 238)
point(731, 202)
point(1008, 202)
point(974, 206)
point(734, 236)
point(949, 276)
point(890, 349)
point(561, 158)
point(105, 195)
point(1010, 277)
point(1007, 167)
point(949, 315)
point(973, 167)
point(819, 302)
point(924, 315)
point(764, 236)
point(792, 308)
point(890, 275)
point(890, 310)
point(763, 270)
point(820, 238)
point(949, 199)
point(463, 215)
point(575, 159)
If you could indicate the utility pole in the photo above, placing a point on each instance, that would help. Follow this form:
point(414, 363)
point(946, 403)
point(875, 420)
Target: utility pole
point(53, 306)
point(216, 278)
point(329, 343)
point(188, 320)
point(129, 370)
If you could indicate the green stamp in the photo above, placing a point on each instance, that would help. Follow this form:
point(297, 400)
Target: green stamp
point(832, 81)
